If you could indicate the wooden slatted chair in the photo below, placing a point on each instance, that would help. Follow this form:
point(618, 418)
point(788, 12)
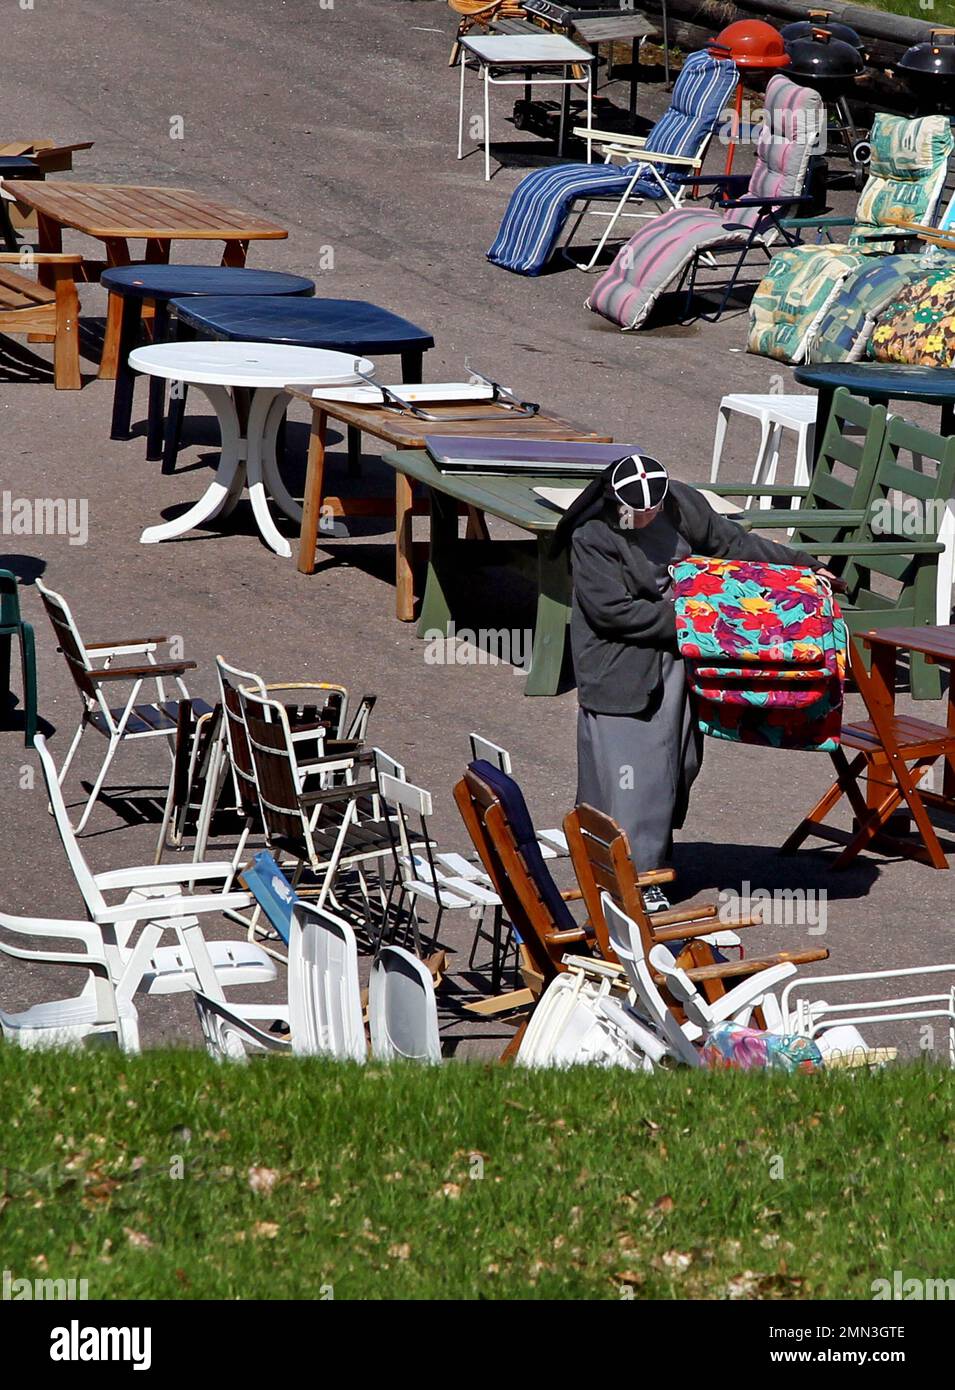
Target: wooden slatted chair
point(134, 719)
point(48, 313)
point(600, 853)
point(501, 831)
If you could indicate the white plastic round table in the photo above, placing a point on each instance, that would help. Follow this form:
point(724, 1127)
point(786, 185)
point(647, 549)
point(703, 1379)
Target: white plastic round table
point(247, 458)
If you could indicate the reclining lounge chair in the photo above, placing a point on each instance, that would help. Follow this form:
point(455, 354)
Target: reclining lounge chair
point(542, 202)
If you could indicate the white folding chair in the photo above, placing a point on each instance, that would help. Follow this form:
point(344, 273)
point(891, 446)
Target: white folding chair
point(117, 724)
point(576, 1022)
point(402, 1009)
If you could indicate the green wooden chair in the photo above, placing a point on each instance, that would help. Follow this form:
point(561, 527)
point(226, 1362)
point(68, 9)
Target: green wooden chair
point(12, 625)
point(884, 530)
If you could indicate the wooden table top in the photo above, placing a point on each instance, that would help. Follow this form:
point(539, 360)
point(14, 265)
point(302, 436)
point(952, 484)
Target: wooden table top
point(105, 210)
point(508, 496)
point(408, 432)
point(937, 642)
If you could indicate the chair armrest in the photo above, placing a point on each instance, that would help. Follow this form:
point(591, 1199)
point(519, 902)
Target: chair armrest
point(664, 934)
point(719, 180)
point(653, 157)
point(806, 516)
point(129, 644)
point(156, 875)
point(752, 965)
point(135, 673)
point(705, 911)
point(635, 142)
point(90, 935)
point(156, 909)
point(874, 548)
point(653, 876)
point(96, 964)
point(748, 991)
point(835, 219)
point(571, 895)
point(39, 258)
point(754, 202)
point(559, 938)
point(756, 490)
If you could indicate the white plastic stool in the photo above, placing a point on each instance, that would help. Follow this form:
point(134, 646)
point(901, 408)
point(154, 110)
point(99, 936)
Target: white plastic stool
point(775, 412)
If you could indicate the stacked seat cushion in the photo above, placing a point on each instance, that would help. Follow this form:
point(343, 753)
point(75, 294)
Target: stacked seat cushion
point(803, 283)
point(764, 648)
point(541, 203)
point(845, 327)
point(660, 252)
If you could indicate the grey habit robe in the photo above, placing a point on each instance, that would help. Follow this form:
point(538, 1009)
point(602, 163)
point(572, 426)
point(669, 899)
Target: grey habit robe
point(638, 747)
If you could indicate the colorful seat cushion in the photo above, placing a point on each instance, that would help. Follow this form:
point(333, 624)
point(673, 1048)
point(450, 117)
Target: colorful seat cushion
point(732, 1045)
point(918, 328)
point(843, 331)
point(764, 648)
point(906, 173)
point(541, 203)
point(660, 252)
point(793, 296)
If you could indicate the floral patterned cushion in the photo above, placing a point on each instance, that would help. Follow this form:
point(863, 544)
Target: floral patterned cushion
point(918, 328)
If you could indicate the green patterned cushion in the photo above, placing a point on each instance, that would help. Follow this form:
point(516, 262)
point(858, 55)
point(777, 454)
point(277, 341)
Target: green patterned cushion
point(792, 295)
point(843, 332)
point(909, 163)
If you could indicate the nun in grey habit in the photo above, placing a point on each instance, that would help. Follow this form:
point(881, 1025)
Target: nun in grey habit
point(638, 747)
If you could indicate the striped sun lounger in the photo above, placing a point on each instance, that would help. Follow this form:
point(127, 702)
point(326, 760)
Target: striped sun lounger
point(542, 202)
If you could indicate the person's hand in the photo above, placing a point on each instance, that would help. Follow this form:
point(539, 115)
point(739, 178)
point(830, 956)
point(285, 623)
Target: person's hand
point(839, 585)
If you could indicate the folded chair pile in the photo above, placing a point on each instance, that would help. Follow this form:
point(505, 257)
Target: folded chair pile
point(820, 303)
point(542, 202)
point(764, 648)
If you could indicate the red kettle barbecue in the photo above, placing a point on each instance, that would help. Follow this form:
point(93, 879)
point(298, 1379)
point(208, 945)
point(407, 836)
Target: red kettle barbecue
point(754, 46)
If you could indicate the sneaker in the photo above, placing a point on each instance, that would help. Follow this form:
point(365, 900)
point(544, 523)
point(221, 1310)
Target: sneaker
point(655, 900)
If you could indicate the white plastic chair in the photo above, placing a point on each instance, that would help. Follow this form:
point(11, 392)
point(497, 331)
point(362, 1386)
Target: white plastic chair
point(68, 1022)
point(738, 1003)
point(402, 1009)
point(323, 1010)
point(577, 1023)
point(775, 412)
point(154, 901)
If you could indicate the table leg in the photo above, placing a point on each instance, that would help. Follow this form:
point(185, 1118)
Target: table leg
point(947, 423)
point(271, 471)
point(564, 112)
point(314, 493)
point(462, 66)
point(228, 480)
point(550, 628)
point(235, 252)
point(487, 124)
point(435, 605)
point(261, 415)
point(125, 376)
point(823, 406)
point(353, 437)
point(404, 548)
point(117, 253)
point(156, 412)
point(49, 238)
point(412, 364)
point(948, 776)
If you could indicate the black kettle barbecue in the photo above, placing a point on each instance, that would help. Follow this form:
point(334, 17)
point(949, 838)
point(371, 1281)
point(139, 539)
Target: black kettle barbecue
point(822, 19)
point(830, 66)
point(928, 71)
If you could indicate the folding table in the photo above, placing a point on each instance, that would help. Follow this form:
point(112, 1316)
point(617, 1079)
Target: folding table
point(525, 60)
point(405, 432)
point(893, 752)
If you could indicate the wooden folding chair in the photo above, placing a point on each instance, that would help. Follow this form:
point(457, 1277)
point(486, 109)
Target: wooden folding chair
point(479, 14)
point(600, 853)
point(892, 753)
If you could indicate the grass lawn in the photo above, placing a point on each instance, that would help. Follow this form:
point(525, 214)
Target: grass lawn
point(168, 1176)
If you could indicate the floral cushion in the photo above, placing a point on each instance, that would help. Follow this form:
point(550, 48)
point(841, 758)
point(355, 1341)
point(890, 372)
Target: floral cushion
point(918, 328)
point(731, 1045)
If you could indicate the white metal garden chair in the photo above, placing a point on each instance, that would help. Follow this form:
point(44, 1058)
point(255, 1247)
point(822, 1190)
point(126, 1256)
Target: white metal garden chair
point(402, 1009)
point(95, 1011)
point(154, 901)
point(133, 720)
point(323, 1009)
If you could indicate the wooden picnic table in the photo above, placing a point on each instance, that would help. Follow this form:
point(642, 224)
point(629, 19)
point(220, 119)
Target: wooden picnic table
point(406, 432)
point(450, 558)
point(117, 214)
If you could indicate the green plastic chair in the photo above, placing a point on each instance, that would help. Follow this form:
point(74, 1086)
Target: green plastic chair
point(12, 625)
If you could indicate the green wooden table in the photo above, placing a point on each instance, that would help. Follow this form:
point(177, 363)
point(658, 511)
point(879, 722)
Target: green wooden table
point(451, 557)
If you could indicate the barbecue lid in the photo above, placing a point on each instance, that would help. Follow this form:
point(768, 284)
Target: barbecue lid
point(751, 43)
point(821, 19)
point(936, 58)
point(822, 56)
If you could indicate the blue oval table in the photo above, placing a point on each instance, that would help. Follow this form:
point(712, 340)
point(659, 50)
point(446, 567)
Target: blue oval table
point(134, 284)
point(880, 383)
point(340, 325)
